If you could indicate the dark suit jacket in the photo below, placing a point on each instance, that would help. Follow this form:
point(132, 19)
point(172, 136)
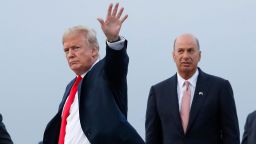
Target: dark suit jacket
point(249, 136)
point(212, 120)
point(4, 135)
point(102, 98)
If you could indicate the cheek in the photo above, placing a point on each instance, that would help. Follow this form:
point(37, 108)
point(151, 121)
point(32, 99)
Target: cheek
point(178, 59)
point(85, 58)
point(197, 59)
point(175, 57)
point(66, 57)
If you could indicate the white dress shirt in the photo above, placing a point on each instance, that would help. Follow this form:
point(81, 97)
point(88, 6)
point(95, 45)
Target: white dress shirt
point(74, 132)
point(181, 86)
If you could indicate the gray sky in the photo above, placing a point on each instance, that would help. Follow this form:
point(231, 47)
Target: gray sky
point(34, 72)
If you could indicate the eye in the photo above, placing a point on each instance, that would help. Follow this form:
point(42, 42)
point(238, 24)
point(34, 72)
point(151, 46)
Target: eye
point(191, 50)
point(66, 50)
point(76, 48)
point(180, 51)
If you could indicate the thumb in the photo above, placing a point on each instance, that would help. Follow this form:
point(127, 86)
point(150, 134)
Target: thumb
point(101, 21)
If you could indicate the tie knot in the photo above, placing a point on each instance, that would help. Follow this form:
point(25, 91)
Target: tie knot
point(186, 84)
point(78, 79)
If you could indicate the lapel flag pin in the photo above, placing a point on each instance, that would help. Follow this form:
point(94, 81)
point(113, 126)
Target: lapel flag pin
point(201, 93)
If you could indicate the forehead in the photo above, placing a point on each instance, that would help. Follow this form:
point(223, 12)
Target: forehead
point(74, 39)
point(185, 41)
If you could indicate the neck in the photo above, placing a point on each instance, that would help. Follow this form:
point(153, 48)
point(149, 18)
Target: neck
point(187, 75)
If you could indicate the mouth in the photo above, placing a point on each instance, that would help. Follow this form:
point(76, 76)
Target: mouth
point(186, 64)
point(72, 62)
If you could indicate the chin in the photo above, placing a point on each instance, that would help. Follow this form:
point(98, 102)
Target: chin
point(187, 70)
point(74, 69)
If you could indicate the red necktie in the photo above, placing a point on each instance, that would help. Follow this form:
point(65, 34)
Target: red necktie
point(66, 109)
point(185, 106)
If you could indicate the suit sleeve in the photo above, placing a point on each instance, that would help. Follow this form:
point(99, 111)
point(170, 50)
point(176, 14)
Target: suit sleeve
point(246, 130)
point(153, 124)
point(4, 135)
point(229, 121)
point(116, 67)
point(116, 64)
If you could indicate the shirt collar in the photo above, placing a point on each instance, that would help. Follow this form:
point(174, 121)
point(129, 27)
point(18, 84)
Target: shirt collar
point(192, 80)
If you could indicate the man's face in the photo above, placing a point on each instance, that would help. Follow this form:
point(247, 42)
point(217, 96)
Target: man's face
point(186, 55)
point(79, 53)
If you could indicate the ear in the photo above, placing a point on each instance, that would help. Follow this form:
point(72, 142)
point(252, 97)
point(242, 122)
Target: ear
point(199, 56)
point(173, 55)
point(95, 52)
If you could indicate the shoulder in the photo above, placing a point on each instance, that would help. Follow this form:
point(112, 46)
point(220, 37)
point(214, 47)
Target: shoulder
point(212, 78)
point(250, 120)
point(97, 68)
point(1, 118)
point(252, 115)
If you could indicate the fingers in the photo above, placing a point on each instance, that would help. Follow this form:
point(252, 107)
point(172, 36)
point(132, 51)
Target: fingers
point(124, 18)
point(115, 9)
point(114, 12)
point(120, 13)
point(109, 9)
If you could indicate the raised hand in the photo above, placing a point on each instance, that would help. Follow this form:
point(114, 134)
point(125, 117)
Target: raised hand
point(113, 22)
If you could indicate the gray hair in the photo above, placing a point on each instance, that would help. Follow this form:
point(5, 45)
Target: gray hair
point(87, 32)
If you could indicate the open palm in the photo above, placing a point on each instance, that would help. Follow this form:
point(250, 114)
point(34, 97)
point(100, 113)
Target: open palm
point(113, 23)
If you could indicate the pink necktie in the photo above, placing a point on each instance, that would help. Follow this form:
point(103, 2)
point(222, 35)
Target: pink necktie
point(66, 109)
point(185, 106)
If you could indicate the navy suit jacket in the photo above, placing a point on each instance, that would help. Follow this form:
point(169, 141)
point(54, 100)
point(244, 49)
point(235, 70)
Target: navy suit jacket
point(249, 136)
point(102, 96)
point(212, 120)
point(4, 135)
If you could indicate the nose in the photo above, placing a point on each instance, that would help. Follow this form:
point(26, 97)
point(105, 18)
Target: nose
point(186, 55)
point(70, 53)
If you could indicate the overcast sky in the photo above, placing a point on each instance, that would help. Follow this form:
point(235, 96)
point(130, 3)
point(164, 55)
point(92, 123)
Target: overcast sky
point(34, 72)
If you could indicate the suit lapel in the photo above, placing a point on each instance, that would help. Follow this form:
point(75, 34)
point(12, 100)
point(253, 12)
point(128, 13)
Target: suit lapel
point(66, 94)
point(199, 97)
point(83, 84)
point(174, 102)
point(79, 90)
